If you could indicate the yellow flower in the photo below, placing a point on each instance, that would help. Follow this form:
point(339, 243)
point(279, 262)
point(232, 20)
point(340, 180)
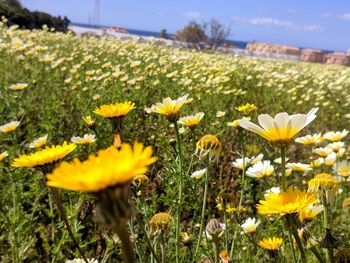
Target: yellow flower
point(310, 212)
point(185, 238)
point(225, 256)
point(346, 203)
point(3, 155)
point(45, 156)
point(87, 139)
point(37, 143)
point(335, 136)
point(247, 108)
point(249, 226)
point(169, 107)
point(140, 179)
point(115, 110)
point(192, 120)
point(324, 184)
point(220, 114)
point(299, 167)
point(9, 127)
point(316, 163)
point(236, 123)
point(310, 139)
point(343, 168)
point(281, 129)
point(273, 243)
point(289, 202)
point(88, 120)
point(18, 86)
point(323, 152)
point(109, 167)
point(160, 221)
point(198, 174)
point(208, 144)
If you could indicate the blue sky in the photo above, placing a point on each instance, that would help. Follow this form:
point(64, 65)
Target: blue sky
point(321, 24)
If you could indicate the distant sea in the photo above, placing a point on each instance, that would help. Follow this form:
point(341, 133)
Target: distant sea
point(239, 44)
point(236, 43)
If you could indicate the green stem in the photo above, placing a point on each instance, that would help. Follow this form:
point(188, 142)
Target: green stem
point(317, 254)
point(233, 243)
point(204, 204)
point(180, 185)
point(138, 251)
point(225, 222)
point(148, 241)
point(216, 248)
point(283, 168)
point(162, 246)
point(297, 239)
point(243, 182)
point(57, 199)
point(291, 244)
point(122, 232)
point(325, 211)
point(329, 255)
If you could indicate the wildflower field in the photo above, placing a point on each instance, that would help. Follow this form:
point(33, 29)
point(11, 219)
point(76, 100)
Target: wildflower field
point(120, 151)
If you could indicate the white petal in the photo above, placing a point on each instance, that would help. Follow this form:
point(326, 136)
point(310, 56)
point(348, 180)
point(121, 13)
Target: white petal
point(266, 121)
point(281, 120)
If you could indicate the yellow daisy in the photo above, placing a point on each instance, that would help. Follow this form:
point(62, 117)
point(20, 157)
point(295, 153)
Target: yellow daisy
point(335, 136)
point(246, 108)
point(160, 221)
point(18, 86)
point(86, 139)
point(310, 212)
point(282, 128)
point(324, 185)
point(108, 168)
point(236, 123)
point(88, 120)
point(37, 143)
point(169, 107)
point(342, 168)
point(284, 203)
point(208, 144)
point(9, 127)
point(115, 110)
point(3, 155)
point(192, 120)
point(45, 156)
point(273, 243)
point(310, 139)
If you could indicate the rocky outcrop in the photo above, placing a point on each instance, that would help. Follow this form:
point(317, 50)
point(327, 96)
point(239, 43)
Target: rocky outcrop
point(312, 55)
point(338, 58)
point(271, 48)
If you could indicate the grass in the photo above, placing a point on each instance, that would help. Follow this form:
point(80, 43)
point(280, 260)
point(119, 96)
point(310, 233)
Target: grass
point(69, 76)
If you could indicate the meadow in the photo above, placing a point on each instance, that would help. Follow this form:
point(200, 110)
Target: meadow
point(216, 191)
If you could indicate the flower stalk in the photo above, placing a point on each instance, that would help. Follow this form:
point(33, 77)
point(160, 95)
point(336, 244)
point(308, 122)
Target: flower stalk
point(330, 254)
point(204, 204)
point(216, 248)
point(122, 232)
point(56, 197)
point(283, 168)
point(180, 185)
point(148, 241)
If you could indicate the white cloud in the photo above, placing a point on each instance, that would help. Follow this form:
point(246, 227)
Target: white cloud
point(289, 25)
point(193, 15)
point(326, 15)
point(291, 11)
point(345, 16)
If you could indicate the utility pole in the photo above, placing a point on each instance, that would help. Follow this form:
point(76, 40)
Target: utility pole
point(97, 12)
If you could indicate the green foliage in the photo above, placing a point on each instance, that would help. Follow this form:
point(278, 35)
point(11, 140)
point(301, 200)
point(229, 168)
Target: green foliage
point(68, 77)
point(18, 15)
